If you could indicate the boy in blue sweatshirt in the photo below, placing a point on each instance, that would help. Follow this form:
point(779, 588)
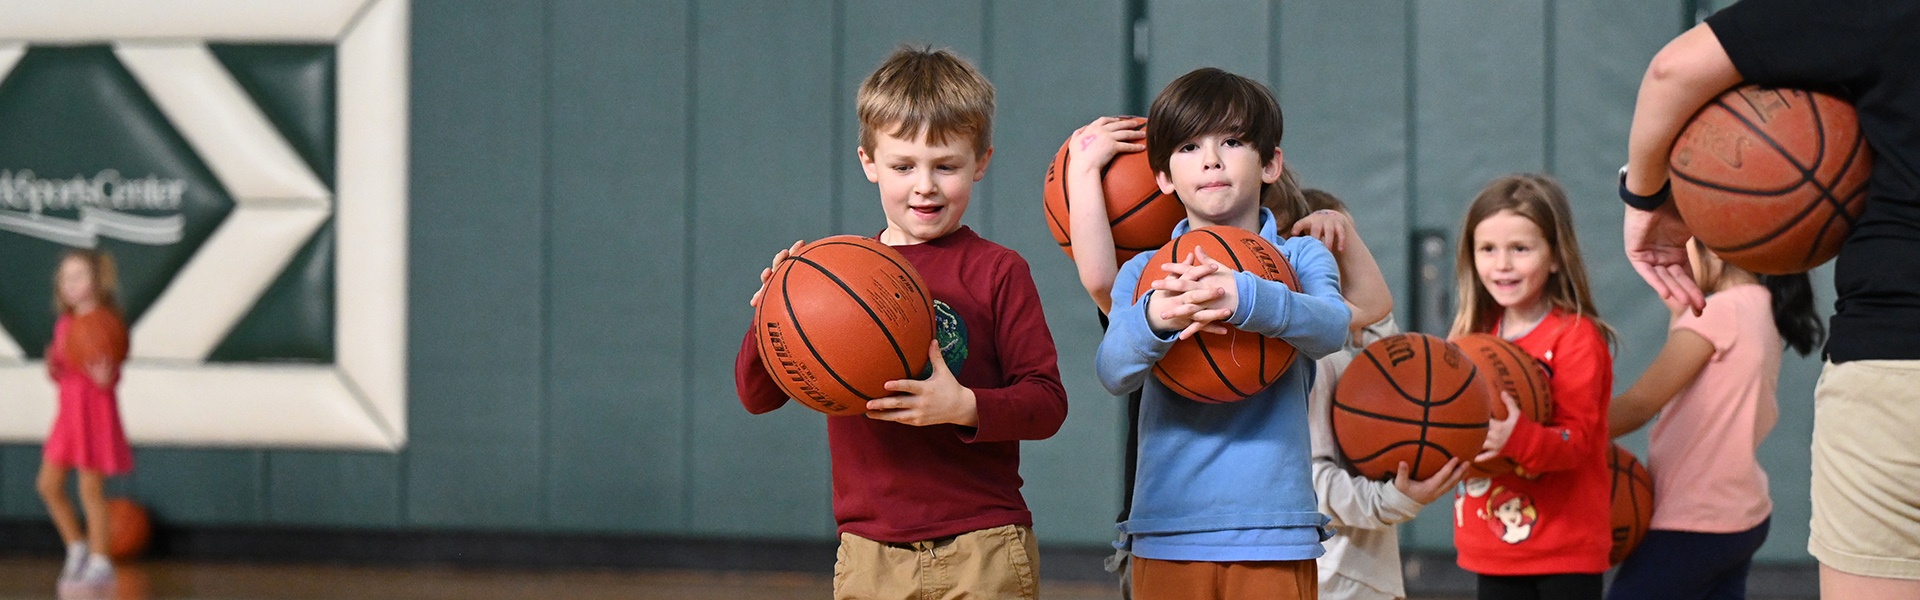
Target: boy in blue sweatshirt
point(1223, 502)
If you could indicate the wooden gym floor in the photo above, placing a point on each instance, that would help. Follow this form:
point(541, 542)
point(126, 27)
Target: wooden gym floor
point(33, 579)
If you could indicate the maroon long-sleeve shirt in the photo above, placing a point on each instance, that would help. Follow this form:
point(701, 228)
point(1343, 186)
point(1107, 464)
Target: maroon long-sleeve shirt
point(901, 483)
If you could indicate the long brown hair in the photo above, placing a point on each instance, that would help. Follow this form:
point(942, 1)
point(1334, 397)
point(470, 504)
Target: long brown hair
point(1538, 198)
point(106, 279)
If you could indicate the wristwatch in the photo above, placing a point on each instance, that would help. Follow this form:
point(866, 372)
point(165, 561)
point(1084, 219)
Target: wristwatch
point(1644, 202)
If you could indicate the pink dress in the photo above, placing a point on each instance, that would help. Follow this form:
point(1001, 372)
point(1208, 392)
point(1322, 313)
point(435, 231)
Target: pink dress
point(86, 432)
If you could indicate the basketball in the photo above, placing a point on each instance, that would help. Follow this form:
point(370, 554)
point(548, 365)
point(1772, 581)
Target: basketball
point(1632, 501)
point(1223, 367)
point(128, 529)
point(97, 335)
point(1411, 397)
point(1772, 179)
point(1142, 218)
point(1509, 369)
point(841, 318)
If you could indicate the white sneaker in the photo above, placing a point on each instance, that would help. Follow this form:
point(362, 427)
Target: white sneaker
point(76, 557)
point(97, 572)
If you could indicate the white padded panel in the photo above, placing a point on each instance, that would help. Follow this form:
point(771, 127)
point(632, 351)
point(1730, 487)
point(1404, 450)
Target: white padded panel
point(9, 349)
point(220, 121)
point(71, 21)
point(9, 55)
point(169, 396)
point(370, 331)
point(217, 287)
point(256, 406)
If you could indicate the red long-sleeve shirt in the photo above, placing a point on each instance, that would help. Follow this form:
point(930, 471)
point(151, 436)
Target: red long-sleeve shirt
point(1557, 519)
point(901, 483)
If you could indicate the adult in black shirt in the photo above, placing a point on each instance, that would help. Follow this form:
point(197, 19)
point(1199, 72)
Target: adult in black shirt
point(1866, 461)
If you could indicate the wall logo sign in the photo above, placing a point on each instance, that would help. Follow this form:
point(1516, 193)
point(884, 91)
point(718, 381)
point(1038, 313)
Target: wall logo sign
point(245, 162)
point(108, 206)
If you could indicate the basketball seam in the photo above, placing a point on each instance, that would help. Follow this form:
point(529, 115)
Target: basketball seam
point(1809, 175)
point(800, 331)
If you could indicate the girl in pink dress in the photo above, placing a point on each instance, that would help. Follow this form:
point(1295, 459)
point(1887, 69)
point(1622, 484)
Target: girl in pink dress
point(89, 343)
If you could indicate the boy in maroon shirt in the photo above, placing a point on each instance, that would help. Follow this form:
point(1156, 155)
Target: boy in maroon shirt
point(926, 485)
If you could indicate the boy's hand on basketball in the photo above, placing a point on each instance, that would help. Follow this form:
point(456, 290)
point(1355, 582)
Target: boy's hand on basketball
point(1498, 430)
point(767, 273)
point(1656, 243)
point(1092, 147)
point(1331, 227)
point(935, 400)
point(1191, 291)
point(1425, 491)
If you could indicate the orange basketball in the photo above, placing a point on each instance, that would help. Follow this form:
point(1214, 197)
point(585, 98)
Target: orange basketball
point(97, 335)
point(840, 319)
point(1223, 367)
point(1142, 218)
point(1632, 501)
point(1508, 369)
point(128, 529)
point(1772, 179)
point(1411, 397)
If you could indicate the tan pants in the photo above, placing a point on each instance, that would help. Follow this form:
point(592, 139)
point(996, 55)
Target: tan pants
point(1001, 562)
point(1866, 468)
point(1192, 580)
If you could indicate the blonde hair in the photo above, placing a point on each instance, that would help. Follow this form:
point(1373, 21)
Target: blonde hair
point(923, 89)
point(106, 279)
point(1540, 199)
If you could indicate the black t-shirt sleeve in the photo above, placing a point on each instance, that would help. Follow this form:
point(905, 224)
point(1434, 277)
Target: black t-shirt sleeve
point(1800, 43)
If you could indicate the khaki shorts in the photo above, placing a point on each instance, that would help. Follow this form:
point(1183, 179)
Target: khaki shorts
point(1001, 562)
point(1866, 468)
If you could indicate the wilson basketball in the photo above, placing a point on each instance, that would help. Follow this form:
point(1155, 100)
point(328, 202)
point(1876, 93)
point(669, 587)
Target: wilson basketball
point(841, 318)
point(96, 336)
point(1772, 179)
point(1411, 397)
point(1223, 367)
point(128, 529)
point(1142, 218)
point(1632, 501)
point(1509, 369)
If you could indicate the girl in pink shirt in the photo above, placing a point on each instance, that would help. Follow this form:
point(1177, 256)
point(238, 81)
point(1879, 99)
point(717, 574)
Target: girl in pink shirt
point(1713, 387)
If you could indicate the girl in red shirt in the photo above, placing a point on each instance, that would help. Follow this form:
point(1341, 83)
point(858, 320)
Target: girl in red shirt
point(1540, 531)
point(89, 343)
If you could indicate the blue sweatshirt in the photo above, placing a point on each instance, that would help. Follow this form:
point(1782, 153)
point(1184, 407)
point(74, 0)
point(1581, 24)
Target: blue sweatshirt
point(1228, 482)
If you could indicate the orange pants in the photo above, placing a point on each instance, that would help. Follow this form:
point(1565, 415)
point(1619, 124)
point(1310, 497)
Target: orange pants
point(1192, 580)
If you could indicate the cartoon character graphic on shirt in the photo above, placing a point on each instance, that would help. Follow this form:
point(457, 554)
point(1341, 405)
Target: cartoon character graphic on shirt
point(1510, 514)
point(951, 331)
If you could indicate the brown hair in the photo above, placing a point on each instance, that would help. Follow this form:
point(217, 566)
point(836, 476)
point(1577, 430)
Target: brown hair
point(923, 89)
point(1538, 198)
point(106, 279)
point(1318, 200)
point(1284, 198)
point(1211, 101)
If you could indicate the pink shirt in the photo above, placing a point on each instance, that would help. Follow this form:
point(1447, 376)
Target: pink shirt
point(1701, 452)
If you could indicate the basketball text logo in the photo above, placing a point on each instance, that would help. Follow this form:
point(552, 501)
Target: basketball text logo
point(1399, 349)
point(797, 372)
point(888, 296)
point(1724, 144)
point(1765, 102)
point(1268, 269)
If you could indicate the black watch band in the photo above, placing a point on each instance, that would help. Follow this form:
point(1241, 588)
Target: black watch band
point(1644, 202)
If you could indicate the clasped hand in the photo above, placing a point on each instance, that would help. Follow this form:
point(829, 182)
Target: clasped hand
point(1197, 295)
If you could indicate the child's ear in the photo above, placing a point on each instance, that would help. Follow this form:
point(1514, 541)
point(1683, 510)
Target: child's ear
point(866, 164)
point(980, 170)
point(1270, 172)
point(1165, 182)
